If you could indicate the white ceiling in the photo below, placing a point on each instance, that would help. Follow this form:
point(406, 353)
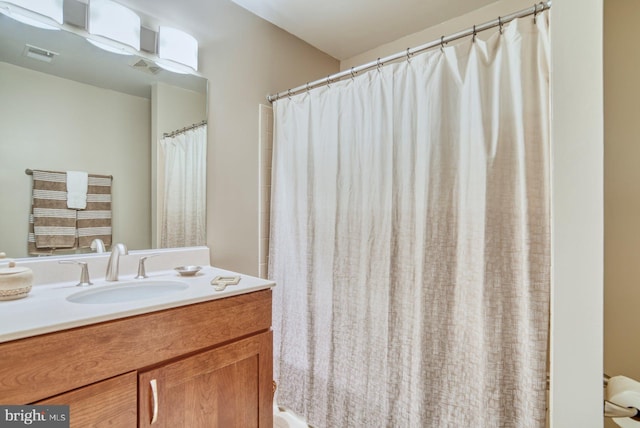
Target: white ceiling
point(344, 28)
point(341, 28)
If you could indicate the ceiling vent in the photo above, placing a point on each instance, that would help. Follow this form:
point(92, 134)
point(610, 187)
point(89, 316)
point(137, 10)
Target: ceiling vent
point(146, 66)
point(40, 54)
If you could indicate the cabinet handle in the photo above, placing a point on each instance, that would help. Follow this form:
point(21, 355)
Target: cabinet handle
point(154, 393)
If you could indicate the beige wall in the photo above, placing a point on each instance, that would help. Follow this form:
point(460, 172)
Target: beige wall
point(175, 108)
point(172, 108)
point(577, 192)
point(479, 16)
point(622, 188)
point(51, 123)
point(251, 59)
point(244, 58)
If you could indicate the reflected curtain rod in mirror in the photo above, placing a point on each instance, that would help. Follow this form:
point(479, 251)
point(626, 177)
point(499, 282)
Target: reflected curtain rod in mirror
point(185, 129)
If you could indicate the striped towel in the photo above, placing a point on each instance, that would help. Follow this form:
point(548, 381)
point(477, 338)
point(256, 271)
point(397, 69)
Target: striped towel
point(52, 225)
point(95, 220)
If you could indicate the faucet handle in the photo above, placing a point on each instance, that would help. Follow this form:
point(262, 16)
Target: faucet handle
point(84, 272)
point(142, 274)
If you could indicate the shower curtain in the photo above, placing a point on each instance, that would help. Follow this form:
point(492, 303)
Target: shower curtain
point(410, 240)
point(183, 216)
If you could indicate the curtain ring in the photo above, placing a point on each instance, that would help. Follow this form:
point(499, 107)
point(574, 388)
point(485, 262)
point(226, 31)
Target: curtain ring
point(408, 54)
point(475, 33)
point(536, 12)
point(352, 74)
point(289, 93)
point(379, 64)
point(307, 87)
point(500, 24)
point(328, 81)
point(442, 44)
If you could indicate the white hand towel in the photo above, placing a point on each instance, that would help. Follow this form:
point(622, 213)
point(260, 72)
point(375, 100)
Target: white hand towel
point(77, 183)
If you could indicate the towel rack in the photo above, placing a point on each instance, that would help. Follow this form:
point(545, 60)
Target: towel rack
point(29, 171)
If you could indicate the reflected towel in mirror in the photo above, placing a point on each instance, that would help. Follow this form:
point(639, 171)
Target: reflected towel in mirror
point(77, 182)
point(95, 220)
point(52, 224)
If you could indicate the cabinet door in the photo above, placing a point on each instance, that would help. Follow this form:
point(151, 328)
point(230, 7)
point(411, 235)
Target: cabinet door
point(226, 387)
point(110, 403)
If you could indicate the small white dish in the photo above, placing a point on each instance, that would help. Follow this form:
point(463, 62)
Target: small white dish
point(188, 270)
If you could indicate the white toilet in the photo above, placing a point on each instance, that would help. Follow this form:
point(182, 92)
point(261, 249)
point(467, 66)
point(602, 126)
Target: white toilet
point(286, 419)
point(283, 418)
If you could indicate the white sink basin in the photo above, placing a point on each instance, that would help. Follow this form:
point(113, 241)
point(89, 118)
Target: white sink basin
point(127, 291)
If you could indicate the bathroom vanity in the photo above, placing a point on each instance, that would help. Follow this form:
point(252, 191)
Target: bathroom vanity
point(197, 359)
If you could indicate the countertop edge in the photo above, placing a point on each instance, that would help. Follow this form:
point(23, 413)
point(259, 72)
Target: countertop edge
point(54, 328)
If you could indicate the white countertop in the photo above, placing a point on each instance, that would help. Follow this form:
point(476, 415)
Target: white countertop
point(46, 309)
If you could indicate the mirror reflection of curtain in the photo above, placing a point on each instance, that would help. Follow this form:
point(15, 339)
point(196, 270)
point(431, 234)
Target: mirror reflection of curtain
point(183, 212)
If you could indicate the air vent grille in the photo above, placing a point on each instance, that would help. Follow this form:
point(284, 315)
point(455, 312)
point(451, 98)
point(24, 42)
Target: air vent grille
point(40, 54)
point(146, 66)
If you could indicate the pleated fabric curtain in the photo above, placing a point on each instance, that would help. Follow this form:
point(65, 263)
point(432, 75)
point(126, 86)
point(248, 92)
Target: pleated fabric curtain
point(410, 240)
point(183, 218)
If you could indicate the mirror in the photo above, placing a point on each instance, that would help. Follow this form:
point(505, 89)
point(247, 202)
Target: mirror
point(66, 105)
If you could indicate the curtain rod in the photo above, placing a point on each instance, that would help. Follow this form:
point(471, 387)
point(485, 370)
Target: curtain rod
point(534, 10)
point(185, 129)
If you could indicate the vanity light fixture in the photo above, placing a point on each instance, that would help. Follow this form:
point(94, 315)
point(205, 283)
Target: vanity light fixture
point(113, 27)
point(45, 14)
point(177, 50)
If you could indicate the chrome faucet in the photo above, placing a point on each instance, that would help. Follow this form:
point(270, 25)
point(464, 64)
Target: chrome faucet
point(97, 245)
point(114, 261)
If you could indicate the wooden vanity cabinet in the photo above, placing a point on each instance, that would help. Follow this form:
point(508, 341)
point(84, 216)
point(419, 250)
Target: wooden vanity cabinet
point(211, 364)
point(108, 403)
point(217, 388)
